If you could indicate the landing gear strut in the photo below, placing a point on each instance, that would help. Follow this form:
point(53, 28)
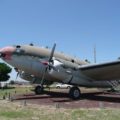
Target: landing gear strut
point(39, 89)
point(74, 93)
point(48, 65)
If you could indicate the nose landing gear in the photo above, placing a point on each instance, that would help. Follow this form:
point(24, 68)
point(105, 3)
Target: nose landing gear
point(39, 89)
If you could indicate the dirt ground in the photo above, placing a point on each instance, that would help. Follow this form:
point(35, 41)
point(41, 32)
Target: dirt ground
point(59, 98)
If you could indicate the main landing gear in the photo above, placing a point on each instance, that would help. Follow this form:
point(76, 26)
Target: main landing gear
point(74, 93)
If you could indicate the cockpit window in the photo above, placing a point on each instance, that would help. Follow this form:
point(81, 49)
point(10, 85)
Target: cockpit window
point(18, 46)
point(31, 44)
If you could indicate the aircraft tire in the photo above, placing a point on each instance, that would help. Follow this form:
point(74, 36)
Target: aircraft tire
point(68, 87)
point(74, 93)
point(38, 90)
point(58, 87)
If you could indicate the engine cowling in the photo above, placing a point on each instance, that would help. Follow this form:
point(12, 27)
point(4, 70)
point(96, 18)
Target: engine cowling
point(60, 72)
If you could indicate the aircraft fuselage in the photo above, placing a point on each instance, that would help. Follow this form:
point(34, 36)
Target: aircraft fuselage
point(32, 60)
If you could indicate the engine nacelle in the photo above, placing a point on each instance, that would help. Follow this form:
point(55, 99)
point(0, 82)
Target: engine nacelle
point(60, 73)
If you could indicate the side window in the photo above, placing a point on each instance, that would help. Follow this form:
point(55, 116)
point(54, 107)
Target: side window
point(72, 61)
point(18, 46)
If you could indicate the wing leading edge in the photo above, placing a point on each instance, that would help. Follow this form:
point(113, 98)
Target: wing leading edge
point(103, 71)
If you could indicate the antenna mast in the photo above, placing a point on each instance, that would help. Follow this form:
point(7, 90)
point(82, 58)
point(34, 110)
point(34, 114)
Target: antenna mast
point(95, 54)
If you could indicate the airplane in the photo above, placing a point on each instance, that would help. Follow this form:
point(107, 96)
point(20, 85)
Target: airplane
point(43, 66)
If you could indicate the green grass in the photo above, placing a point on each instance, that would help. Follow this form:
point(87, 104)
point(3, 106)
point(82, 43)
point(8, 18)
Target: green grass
point(14, 90)
point(17, 111)
point(103, 114)
point(15, 114)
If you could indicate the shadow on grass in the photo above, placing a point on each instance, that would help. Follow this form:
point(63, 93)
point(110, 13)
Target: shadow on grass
point(64, 97)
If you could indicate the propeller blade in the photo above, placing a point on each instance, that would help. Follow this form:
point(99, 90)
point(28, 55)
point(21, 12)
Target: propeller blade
point(52, 52)
point(17, 76)
point(43, 76)
point(48, 64)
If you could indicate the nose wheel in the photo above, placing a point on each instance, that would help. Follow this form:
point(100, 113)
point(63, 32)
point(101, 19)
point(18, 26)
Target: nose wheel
point(74, 93)
point(39, 89)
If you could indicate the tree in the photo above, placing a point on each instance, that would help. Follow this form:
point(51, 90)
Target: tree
point(4, 71)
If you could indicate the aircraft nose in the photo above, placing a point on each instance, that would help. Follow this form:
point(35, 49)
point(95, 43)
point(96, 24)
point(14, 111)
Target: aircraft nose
point(6, 51)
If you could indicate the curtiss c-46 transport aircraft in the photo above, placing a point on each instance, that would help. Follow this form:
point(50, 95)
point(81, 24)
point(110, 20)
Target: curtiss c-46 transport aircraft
point(43, 66)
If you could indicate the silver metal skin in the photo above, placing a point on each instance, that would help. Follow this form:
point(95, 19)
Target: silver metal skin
point(32, 61)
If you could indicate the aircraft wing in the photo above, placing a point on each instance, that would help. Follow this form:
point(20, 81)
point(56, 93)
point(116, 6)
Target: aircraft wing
point(103, 71)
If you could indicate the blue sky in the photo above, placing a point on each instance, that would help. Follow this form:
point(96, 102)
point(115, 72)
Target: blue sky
point(75, 25)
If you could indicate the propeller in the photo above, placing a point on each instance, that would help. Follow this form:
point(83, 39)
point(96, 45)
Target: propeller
point(18, 72)
point(49, 63)
point(17, 76)
point(52, 53)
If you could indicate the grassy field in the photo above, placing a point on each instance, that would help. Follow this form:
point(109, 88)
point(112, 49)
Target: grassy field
point(14, 90)
point(20, 111)
point(17, 111)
